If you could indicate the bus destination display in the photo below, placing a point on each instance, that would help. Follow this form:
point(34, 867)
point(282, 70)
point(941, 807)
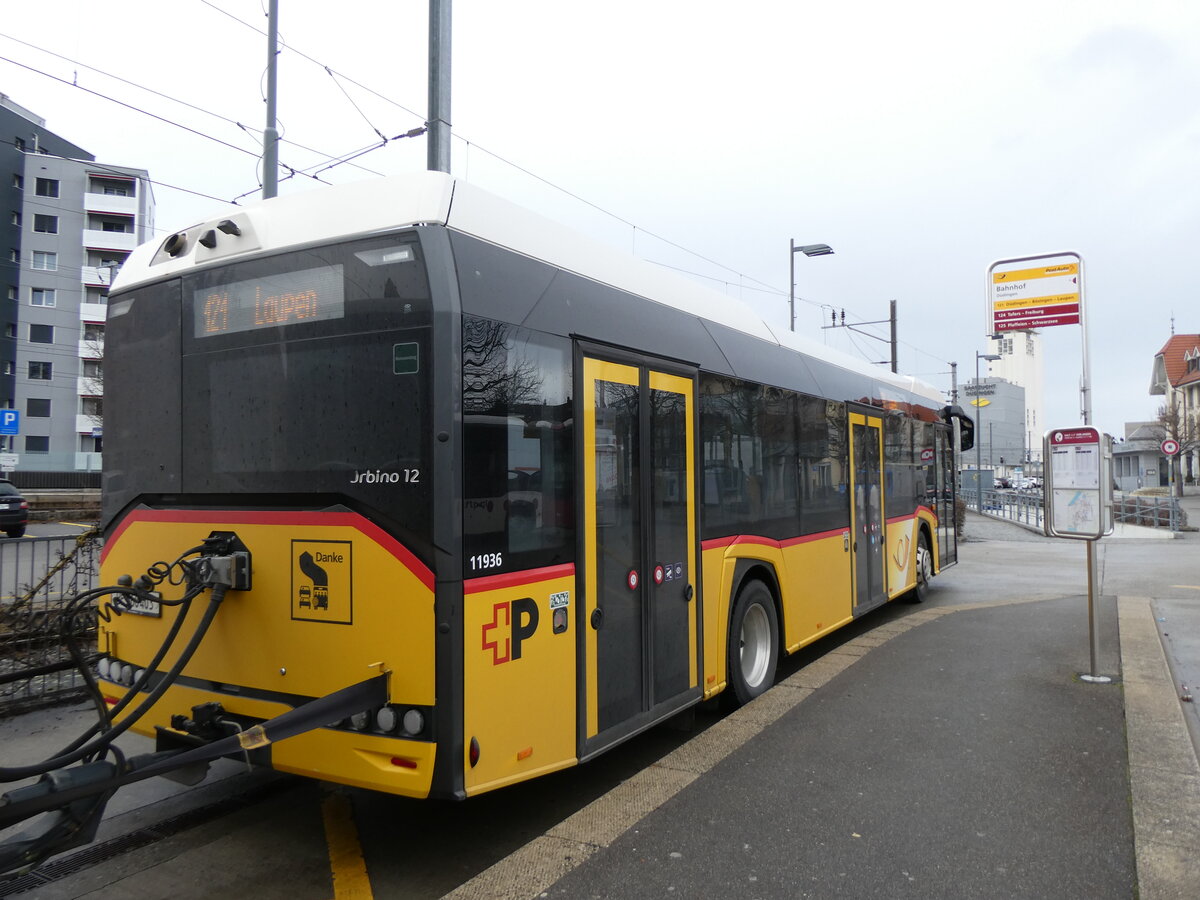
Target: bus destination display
point(307, 295)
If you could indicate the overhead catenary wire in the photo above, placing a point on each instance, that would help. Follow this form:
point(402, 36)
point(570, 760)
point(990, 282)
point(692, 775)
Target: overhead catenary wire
point(349, 158)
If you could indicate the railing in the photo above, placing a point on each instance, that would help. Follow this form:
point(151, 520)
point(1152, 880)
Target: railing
point(1153, 512)
point(37, 578)
point(1130, 509)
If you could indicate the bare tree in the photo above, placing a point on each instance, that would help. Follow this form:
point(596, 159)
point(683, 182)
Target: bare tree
point(1175, 424)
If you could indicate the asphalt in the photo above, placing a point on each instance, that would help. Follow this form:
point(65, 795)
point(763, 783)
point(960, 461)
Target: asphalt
point(948, 750)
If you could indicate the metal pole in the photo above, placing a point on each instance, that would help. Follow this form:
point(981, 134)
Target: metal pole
point(1085, 390)
point(895, 360)
point(439, 86)
point(978, 442)
point(792, 281)
point(270, 179)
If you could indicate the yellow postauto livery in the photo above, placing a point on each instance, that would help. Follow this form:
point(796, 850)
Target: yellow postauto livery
point(472, 499)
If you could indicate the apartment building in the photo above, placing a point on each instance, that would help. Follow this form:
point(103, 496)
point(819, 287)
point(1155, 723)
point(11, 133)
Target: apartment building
point(72, 222)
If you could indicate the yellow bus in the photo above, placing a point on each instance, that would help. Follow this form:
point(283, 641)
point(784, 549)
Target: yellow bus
point(543, 493)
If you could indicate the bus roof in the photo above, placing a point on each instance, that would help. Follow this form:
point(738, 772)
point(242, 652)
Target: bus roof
point(435, 198)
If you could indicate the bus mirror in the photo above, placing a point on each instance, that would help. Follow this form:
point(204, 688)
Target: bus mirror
point(966, 426)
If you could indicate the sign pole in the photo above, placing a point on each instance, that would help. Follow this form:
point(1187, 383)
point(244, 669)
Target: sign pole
point(1023, 295)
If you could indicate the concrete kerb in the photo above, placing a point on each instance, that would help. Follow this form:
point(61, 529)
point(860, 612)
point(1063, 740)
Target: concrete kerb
point(1164, 775)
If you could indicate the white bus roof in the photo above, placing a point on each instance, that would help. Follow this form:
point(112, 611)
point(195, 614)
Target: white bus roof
point(434, 198)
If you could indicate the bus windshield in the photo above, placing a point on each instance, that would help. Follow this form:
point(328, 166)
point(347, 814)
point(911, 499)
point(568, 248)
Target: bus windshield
point(301, 373)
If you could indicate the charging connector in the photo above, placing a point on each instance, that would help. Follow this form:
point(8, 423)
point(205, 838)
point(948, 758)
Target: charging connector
point(224, 561)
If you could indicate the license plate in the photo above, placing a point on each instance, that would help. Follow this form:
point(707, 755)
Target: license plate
point(143, 607)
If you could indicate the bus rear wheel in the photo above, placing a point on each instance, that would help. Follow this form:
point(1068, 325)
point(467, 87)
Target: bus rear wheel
point(753, 643)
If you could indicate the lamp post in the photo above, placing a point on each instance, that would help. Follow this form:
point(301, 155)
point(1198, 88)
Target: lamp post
point(807, 250)
point(979, 432)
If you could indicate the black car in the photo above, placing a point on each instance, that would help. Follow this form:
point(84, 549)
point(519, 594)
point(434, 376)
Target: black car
point(14, 510)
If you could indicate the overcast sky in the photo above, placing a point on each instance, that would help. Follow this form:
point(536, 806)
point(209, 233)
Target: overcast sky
point(922, 140)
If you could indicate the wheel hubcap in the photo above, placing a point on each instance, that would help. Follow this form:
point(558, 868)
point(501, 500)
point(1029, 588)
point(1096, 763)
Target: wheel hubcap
point(755, 645)
point(924, 564)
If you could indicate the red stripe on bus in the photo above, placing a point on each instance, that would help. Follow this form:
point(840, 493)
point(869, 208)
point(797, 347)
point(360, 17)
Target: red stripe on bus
point(267, 517)
point(516, 579)
point(920, 509)
point(731, 540)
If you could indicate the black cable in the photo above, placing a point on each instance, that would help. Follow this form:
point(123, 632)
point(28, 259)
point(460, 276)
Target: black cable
point(13, 773)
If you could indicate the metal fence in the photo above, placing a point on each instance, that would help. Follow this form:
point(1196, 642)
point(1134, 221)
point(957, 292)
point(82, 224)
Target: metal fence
point(1152, 512)
point(37, 577)
point(1131, 509)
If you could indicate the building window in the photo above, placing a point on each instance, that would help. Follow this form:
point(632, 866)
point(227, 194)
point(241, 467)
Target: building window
point(45, 224)
point(35, 443)
point(1005, 346)
point(10, 329)
point(93, 331)
point(41, 334)
point(19, 182)
point(92, 406)
point(19, 143)
point(37, 408)
point(43, 297)
point(10, 367)
point(46, 261)
point(46, 187)
point(12, 292)
point(16, 219)
point(93, 368)
point(118, 227)
point(41, 371)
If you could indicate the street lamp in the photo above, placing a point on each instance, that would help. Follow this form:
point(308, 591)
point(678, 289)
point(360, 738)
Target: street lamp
point(979, 432)
point(807, 250)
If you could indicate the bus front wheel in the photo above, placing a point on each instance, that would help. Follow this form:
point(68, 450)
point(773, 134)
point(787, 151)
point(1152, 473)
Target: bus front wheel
point(924, 569)
point(753, 642)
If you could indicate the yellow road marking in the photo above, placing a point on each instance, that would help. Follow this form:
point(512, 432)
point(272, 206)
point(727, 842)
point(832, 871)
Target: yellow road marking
point(346, 863)
point(1190, 587)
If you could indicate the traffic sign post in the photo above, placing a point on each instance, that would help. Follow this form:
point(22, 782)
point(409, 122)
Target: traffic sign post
point(1170, 448)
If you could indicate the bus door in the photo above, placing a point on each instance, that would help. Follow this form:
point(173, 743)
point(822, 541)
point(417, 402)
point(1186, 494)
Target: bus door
point(947, 528)
point(640, 628)
point(867, 539)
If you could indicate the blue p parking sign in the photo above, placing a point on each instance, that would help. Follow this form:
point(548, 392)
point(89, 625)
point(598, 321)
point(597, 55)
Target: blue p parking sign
point(10, 421)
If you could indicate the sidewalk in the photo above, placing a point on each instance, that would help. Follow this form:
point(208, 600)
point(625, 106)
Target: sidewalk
point(949, 751)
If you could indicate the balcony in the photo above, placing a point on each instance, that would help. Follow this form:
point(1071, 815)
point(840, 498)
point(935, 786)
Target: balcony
point(91, 349)
point(109, 203)
point(93, 312)
point(85, 424)
point(109, 240)
point(89, 386)
point(89, 462)
point(97, 276)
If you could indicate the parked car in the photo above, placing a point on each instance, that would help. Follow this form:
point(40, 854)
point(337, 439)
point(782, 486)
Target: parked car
point(14, 510)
